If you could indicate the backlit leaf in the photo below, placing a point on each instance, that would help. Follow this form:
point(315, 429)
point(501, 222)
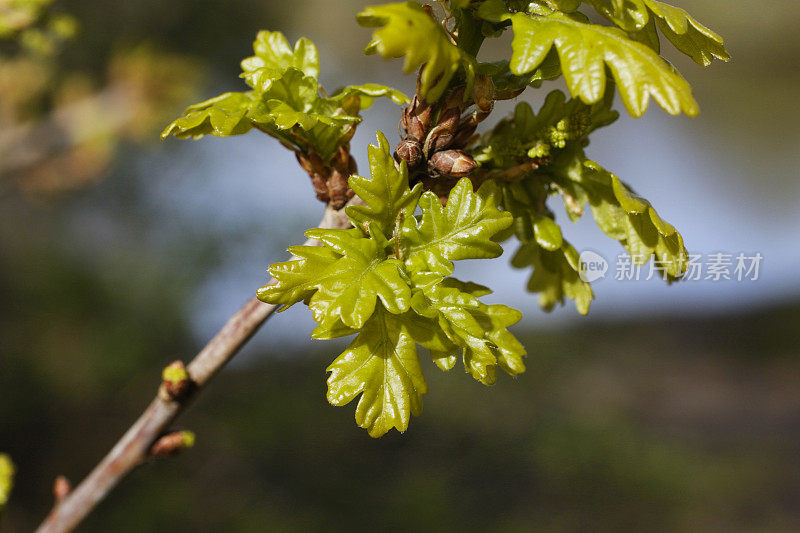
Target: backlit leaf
point(586, 49)
point(406, 30)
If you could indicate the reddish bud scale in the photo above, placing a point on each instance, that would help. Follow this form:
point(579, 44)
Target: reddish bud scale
point(441, 136)
point(454, 163)
point(416, 119)
point(410, 150)
point(330, 180)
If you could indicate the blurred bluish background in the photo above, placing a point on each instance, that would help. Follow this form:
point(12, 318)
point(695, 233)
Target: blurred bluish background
point(666, 409)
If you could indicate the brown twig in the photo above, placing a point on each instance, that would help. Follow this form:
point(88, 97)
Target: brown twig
point(135, 445)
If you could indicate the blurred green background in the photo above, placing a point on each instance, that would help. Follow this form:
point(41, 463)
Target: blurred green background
point(667, 409)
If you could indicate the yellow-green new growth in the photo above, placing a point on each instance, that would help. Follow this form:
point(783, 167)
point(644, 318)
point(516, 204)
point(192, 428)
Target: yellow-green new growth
point(387, 281)
point(285, 101)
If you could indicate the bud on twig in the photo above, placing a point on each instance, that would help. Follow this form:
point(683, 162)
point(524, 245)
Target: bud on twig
point(441, 136)
point(410, 150)
point(416, 119)
point(61, 488)
point(175, 381)
point(172, 443)
point(453, 163)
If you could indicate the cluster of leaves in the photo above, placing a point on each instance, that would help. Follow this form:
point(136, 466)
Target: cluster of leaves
point(556, 137)
point(584, 50)
point(284, 101)
point(388, 279)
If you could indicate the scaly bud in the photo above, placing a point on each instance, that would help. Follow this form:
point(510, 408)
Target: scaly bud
point(454, 163)
point(172, 443)
point(410, 150)
point(416, 120)
point(175, 381)
point(441, 136)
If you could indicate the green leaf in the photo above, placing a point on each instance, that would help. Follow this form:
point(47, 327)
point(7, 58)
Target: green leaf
point(554, 261)
point(295, 279)
point(285, 101)
point(555, 275)
point(349, 287)
point(367, 93)
point(220, 116)
point(463, 229)
point(621, 214)
point(493, 10)
point(385, 280)
point(386, 195)
point(273, 56)
point(639, 17)
point(407, 30)
point(688, 35)
point(547, 233)
point(585, 50)
point(478, 329)
point(381, 365)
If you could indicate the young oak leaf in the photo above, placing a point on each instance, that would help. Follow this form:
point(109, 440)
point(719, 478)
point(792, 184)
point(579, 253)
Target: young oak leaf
point(554, 261)
point(285, 102)
point(405, 29)
point(386, 195)
point(221, 116)
point(359, 284)
point(620, 214)
point(294, 280)
point(475, 327)
point(687, 34)
point(349, 287)
point(381, 364)
point(367, 93)
point(646, 233)
point(463, 229)
point(585, 50)
point(555, 275)
point(273, 56)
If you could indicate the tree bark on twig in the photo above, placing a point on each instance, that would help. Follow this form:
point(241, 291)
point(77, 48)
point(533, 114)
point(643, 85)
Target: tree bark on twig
point(133, 448)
